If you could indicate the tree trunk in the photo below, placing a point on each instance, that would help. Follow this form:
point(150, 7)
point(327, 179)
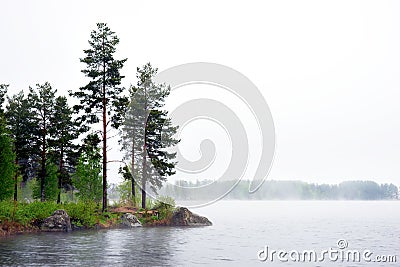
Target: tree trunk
point(143, 194)
point(104, 154)
point(132, 173)
point(104, 137)
point(144, 152)
point(60, 174)
point(144, 170)
point(144, 177)
point(43, 172)
point(16, 181)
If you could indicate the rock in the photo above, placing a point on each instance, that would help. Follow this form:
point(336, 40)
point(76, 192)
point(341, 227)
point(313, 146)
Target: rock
point(130, 220)
point(77, 227)
point(184, 217)
point(58, 222)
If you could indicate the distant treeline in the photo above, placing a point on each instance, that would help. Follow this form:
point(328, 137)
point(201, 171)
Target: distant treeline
point(285, 190)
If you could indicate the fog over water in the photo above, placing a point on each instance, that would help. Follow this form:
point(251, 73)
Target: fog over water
point(240, 230)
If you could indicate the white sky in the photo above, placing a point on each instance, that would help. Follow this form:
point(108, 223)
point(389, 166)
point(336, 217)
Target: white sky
point(329, 70)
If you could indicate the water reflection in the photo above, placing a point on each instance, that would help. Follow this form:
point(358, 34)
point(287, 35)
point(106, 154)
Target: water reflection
point(122, 247)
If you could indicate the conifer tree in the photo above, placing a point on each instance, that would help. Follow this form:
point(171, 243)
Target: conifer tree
point(7, 166)
point(21, 128)
point(42, 101)
point(148, 133)
point(102, 100)
point(64, 132)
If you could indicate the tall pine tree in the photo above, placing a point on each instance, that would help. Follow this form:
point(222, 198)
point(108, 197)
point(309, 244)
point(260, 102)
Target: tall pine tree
point(102, 100)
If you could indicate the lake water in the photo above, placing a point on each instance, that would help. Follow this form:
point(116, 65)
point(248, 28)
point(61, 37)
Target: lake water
point(241, 229)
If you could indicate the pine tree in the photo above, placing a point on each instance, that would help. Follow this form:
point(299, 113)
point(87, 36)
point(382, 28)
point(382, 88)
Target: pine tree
point(159, 137)
point(101, 100)
point(20, 125)
point(131, 134)
point(63, 132)
point(7, 166)
point(42, 102)
point(148, 130)
point(7, 155)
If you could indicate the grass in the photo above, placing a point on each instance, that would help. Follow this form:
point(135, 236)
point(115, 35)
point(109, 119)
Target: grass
point(23, 217)
point(82, 214)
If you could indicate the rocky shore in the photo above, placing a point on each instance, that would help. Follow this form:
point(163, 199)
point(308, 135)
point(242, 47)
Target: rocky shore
point(60, 221)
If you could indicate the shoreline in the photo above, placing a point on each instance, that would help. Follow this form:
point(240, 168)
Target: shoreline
point(176, 217)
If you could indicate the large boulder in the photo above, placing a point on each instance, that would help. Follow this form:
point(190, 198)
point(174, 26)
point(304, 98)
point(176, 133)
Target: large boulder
point(184, 217)
point(58, 222)
point(130, 220)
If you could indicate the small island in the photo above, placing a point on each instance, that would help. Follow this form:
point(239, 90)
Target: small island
point(54, 157)
point(39, 217)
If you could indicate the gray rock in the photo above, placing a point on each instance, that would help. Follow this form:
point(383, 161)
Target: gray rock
point(58, 222)
point(130, 220)
point(184, 217)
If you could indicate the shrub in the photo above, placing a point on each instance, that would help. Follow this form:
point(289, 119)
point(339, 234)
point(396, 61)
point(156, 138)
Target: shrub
point(165, 206)
point(34, 212)
point(82, 213)
point(6, 210)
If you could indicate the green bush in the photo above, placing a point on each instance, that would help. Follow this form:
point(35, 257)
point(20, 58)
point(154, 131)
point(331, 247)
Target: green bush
point(82, 213)
point(34, 212)
point(165, 206)
point(25, 213)
point(6, 210)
